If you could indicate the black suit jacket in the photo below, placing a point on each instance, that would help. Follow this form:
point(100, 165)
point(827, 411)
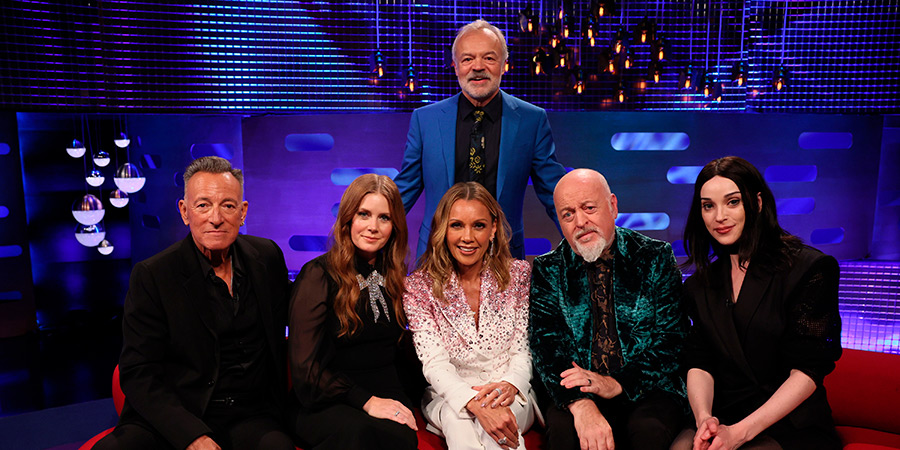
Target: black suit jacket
point(783, 320)
point(170, 356)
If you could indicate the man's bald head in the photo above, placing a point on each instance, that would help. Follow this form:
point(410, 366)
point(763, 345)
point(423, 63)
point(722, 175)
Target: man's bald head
point(587, 211)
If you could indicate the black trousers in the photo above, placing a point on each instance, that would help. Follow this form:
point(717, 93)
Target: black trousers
point(343, 427)
point(235, 427)
point(647, 424)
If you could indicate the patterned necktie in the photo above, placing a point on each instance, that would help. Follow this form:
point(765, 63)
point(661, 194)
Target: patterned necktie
point(374, 282)
point(476, 148)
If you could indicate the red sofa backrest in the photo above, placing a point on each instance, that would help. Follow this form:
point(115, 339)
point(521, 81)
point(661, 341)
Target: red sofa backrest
point(864, 390)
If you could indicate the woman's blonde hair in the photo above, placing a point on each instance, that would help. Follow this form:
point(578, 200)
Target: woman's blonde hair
point(438, 262)
point(341, 255)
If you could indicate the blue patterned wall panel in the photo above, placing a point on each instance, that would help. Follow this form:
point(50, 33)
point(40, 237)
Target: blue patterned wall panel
point(293, 193)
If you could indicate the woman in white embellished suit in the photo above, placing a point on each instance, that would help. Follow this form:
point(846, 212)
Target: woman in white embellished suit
point(467, 307)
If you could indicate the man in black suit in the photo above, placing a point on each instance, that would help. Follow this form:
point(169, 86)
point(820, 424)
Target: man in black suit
point(202, 365)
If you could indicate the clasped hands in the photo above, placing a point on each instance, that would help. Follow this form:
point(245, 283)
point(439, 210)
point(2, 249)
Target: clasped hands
point(491, 407)
point(711, 435)
point(594, 431)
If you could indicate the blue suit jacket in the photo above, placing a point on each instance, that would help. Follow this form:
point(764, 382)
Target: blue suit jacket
point(526, 149)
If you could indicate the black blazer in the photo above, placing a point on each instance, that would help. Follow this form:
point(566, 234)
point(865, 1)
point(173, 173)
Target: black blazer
point(170, 355)
point(783, 320)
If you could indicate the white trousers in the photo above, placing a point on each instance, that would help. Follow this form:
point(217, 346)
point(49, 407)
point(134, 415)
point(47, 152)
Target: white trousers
point(466, 433)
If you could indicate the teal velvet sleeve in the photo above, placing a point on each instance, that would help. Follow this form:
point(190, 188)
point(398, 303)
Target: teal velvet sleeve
point(554, 344)
point(650, 317)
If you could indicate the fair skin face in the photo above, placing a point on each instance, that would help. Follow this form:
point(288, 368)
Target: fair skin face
point(479, 66)
point(371, 226)
point(586, 209)
point(587, 212)
point(723, 214)
point(213, 209)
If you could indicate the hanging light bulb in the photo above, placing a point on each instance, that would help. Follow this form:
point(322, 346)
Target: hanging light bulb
point(378, 64)
point(685, 76)
point(101, 158)
point(537, 61)
point(411, 78)
point(628, 59)
point(658, 49)
point(105, 247)
point(563, 52)
point(611, 66)
point(88, 210)
point(739, 73)
point(643, 29)
point(76, 150)
point(655, 68)
point(716, 92)
point(118, 198)
point(706, 83)
point(507, 66)
point(554, 41)
point(578, 86)
point(620, 93)
point(619, 40)
point(779, 78)
point(129, 178)
point(600, 8)
point(95, 178)
point(90, 235)
point(526, 17)
point(122, 141)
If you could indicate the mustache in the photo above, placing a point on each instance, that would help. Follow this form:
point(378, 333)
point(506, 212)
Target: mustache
point(587, 229)
point(478, 74)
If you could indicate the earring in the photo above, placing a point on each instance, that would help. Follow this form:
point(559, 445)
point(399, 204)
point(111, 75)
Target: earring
point(491, 248)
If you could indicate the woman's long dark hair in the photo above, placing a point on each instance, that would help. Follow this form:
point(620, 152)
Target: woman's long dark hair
point(762, 239)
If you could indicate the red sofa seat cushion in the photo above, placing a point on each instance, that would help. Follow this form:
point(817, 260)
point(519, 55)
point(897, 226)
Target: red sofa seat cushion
point(864, 391)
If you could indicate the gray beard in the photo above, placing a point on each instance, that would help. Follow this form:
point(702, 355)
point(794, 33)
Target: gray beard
point(592, 252)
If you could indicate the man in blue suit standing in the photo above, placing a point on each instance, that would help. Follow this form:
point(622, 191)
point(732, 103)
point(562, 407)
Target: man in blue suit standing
point(482, 134)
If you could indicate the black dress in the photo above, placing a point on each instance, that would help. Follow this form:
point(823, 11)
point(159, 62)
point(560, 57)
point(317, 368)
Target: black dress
point(783, 320)
point(333, 377)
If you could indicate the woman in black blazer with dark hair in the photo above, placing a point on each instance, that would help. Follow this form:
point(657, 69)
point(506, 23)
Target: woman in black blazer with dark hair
point(765, 328)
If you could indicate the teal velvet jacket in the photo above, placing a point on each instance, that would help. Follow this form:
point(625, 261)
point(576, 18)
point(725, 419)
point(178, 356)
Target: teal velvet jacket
point(650, 317)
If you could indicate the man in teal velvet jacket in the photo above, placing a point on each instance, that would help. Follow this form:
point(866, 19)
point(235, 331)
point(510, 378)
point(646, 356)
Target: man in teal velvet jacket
point(607, 327)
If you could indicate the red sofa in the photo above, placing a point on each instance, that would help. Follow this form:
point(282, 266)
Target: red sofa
point(864, 394)
point(863, 391)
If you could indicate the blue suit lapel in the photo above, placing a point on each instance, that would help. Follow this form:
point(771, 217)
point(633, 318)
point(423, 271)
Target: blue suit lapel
point(447, 129)
point(508, 132)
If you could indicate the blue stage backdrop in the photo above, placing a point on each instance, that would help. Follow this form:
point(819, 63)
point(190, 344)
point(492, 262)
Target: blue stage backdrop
point(823, 170)
point(17, 312)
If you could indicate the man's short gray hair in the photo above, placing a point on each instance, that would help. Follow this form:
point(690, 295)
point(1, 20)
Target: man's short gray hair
point(481, 25)
point(212, 164)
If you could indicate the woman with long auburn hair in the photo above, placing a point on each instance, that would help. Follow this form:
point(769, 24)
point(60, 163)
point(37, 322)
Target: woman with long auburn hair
point(346, 323)
point(467, 306)
point(765, 326)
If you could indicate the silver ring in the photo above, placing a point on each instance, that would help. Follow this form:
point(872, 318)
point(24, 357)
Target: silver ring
point(397, 413)
point(499, 391)
point(502, 441)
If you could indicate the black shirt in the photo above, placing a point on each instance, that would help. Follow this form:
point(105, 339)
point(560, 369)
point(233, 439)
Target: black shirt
point(493, 113)
point(243, 362)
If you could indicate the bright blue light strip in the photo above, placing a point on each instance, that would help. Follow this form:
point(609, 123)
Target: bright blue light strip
point(10, 251)
point(643, 221)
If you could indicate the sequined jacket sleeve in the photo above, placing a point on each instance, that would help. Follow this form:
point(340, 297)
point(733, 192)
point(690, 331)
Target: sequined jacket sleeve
point(310, 345)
